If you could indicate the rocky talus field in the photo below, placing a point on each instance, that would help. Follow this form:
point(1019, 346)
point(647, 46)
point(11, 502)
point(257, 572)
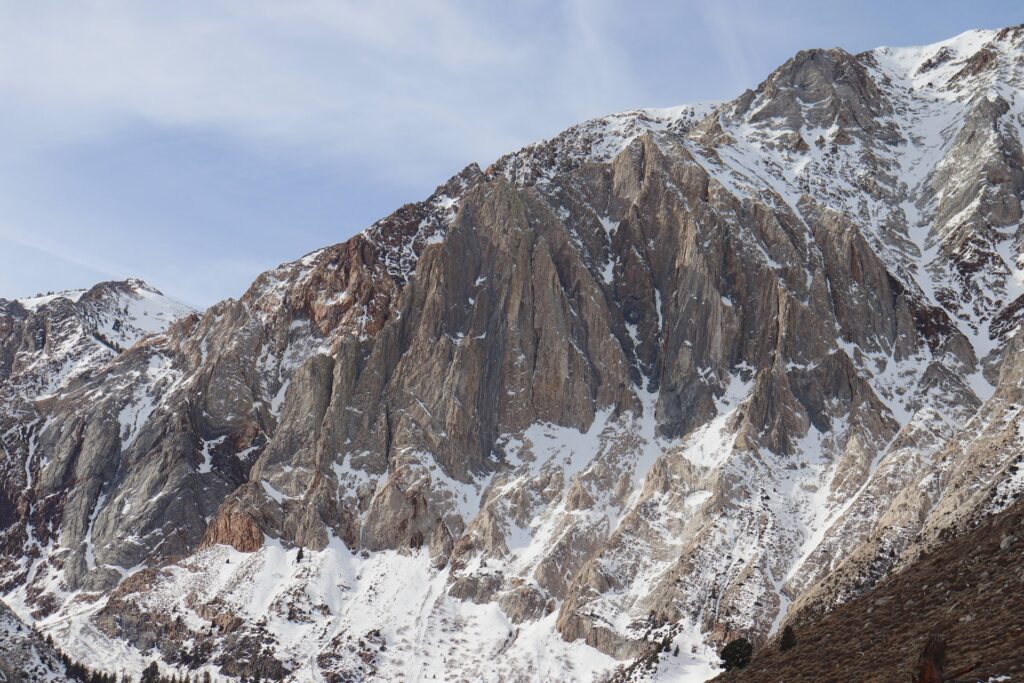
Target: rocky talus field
point(671, 378)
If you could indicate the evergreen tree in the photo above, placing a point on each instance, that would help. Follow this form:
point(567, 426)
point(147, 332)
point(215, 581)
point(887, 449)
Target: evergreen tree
point(151, 674)
point(788, 638)
point(737, 654)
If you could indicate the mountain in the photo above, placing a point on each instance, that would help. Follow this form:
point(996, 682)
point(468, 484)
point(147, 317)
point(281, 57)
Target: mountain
point(672, 377)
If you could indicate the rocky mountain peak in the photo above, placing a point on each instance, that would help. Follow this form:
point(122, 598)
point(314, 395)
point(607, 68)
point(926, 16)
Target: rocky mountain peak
point(56, 338)
point(671, 376)
point(818, 89)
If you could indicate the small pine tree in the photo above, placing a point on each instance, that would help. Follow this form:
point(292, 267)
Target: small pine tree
point(298, 558)
point(788, 639)
point(737, 654)
point(675, 652)
point(151, 674)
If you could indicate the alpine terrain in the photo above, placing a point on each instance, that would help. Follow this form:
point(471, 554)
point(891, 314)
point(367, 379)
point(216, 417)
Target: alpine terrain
point(673, 377)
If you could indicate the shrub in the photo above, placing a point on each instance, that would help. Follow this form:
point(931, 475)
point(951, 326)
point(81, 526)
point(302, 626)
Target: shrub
point(788, 639)
point(736, 654)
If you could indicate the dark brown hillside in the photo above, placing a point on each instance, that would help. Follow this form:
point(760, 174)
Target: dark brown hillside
point(969, 593)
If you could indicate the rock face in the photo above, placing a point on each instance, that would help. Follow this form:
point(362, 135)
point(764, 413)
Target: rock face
point(672, 376)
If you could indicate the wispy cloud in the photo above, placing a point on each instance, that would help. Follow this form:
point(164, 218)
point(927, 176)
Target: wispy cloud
point(344, 78)
point(751, 37)
point(721, 23)
point(57, 250)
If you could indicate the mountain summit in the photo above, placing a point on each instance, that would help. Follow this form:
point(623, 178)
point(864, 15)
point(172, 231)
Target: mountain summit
point(670, 378)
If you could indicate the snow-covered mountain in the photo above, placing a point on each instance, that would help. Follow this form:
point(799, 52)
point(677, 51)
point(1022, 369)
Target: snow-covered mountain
point(51, 340)
point(671, 377)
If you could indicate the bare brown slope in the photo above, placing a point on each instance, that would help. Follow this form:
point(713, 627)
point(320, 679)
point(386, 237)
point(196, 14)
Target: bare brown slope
point(970, 593)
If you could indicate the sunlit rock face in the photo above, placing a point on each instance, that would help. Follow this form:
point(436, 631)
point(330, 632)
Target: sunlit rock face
point(672, 376)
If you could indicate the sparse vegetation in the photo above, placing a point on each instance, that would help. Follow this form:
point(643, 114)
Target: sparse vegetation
point(76, 671)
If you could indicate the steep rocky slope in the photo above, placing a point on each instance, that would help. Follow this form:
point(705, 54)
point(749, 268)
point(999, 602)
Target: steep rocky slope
point(24, 655)
point(672, 375)
point(967, 594)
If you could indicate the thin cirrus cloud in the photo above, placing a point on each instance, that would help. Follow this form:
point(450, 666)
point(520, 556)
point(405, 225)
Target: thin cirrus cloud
point(195, 143)
point(341, 78)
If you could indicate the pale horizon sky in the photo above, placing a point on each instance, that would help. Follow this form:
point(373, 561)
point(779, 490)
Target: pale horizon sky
point(196, 144)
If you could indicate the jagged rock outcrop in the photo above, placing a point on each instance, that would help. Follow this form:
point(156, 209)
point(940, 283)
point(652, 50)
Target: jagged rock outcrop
point(672, 376)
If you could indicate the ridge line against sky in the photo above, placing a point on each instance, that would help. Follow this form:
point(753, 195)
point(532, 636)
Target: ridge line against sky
point(196, 145)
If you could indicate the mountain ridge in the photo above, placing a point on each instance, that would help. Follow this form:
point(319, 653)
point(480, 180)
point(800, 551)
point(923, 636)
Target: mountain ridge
point(682, 373)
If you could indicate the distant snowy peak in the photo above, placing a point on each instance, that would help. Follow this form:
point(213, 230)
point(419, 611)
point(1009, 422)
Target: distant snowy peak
point(949, 64)
point(122, 312)
point(67, 334)
point(127, 311)
point(134, 288)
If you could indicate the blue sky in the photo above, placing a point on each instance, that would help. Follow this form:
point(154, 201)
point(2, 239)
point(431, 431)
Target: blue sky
point(195, 144)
